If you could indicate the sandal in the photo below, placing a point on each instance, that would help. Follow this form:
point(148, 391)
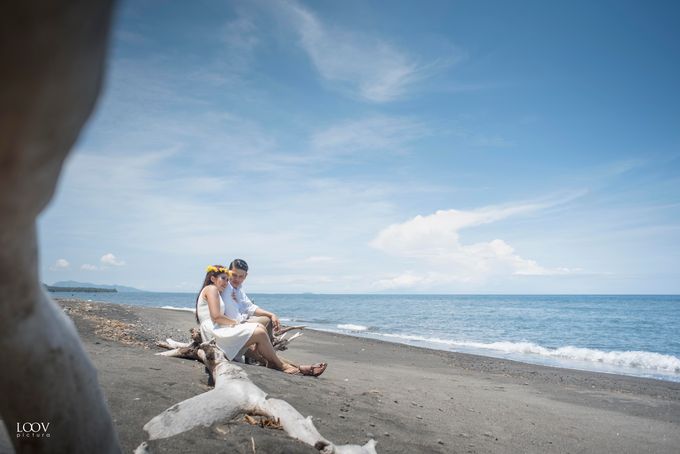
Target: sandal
point(314, 370)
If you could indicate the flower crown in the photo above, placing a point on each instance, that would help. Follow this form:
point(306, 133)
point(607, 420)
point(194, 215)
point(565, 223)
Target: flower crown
point(221, 270)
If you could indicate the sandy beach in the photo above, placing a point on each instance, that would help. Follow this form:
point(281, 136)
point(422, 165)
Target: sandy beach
point(408, 399)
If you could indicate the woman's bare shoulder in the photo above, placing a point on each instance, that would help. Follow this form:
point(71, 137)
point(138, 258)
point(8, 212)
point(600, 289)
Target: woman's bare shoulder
point(209, 290)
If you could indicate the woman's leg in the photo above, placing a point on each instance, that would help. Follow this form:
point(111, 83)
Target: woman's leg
point(265, 321)
point(264, 347)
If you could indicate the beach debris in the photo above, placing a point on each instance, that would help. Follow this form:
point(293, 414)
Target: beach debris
point(284, 330)
point(233, 395)
point(280, 341)
point(107, 328)
point(263, 421)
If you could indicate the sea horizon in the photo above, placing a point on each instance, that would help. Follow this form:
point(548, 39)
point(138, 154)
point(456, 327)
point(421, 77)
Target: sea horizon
point(409, 293)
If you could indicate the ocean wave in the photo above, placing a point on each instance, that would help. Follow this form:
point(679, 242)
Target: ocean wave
point(183, 309)
point(629, 359)
point(351, 327)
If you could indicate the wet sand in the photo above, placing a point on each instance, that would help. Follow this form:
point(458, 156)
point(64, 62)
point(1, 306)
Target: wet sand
point(409, 399)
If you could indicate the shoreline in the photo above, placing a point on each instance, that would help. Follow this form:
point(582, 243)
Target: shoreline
point(571, 345)
point(407, 398)
point(546, 356)
point(480, 357)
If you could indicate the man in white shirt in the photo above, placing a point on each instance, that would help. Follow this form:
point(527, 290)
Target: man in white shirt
point(247, 310)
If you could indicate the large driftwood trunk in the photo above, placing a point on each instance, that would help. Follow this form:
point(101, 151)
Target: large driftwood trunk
point(234, 394)
point(52, 57)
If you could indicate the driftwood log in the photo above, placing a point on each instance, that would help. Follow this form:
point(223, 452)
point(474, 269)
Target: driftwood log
point(52, 57)
point(235, 395)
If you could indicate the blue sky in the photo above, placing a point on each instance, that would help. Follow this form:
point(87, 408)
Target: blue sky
point(363, 146)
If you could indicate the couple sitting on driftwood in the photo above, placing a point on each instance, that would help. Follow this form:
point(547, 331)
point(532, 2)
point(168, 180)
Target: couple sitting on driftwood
point(226, 314)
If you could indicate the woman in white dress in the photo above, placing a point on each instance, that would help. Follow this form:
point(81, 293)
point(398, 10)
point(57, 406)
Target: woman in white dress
point(230, 335)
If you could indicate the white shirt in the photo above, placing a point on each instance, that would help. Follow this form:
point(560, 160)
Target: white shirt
point(237, 305)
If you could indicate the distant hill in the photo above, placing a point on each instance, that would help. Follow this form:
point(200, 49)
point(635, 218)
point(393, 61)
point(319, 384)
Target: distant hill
point(80, 289)
point(119, 288)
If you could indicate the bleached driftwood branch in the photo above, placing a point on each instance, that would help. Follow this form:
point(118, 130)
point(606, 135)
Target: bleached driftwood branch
point(234, 394)
point(53, 58)
point(280, 341)
point(283, 331)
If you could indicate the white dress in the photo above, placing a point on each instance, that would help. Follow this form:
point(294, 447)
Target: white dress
point(230, 339)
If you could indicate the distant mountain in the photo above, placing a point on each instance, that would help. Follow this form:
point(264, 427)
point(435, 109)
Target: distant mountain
point(120, 288)
point(80, 289)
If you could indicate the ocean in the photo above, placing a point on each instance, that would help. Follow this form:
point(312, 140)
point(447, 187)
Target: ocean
point(636, 335)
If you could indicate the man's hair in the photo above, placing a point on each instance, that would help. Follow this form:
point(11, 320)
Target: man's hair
point(239, 264)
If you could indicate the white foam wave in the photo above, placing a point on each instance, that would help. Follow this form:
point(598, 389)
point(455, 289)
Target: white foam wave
point(634, 359)
point(351, 327)
point(628, 359)
point(183, 309)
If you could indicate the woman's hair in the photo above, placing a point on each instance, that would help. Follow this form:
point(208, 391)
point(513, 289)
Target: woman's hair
point(211, 271)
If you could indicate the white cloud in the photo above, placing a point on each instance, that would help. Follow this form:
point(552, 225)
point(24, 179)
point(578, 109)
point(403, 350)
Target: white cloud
point(88, 267)
point(60, 264)
point(230, 67)
point(411, 279)
point(139, 189)
point(372, 133)
point(434, 242)
point(319, 259)
point(241, 34)
point(405, 280)
point(299, 282)
point(376, 70)
point(434, 234)
point(110, 259)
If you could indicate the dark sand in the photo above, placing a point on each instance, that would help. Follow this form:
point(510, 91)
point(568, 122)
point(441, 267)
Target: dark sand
point(409, 399)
